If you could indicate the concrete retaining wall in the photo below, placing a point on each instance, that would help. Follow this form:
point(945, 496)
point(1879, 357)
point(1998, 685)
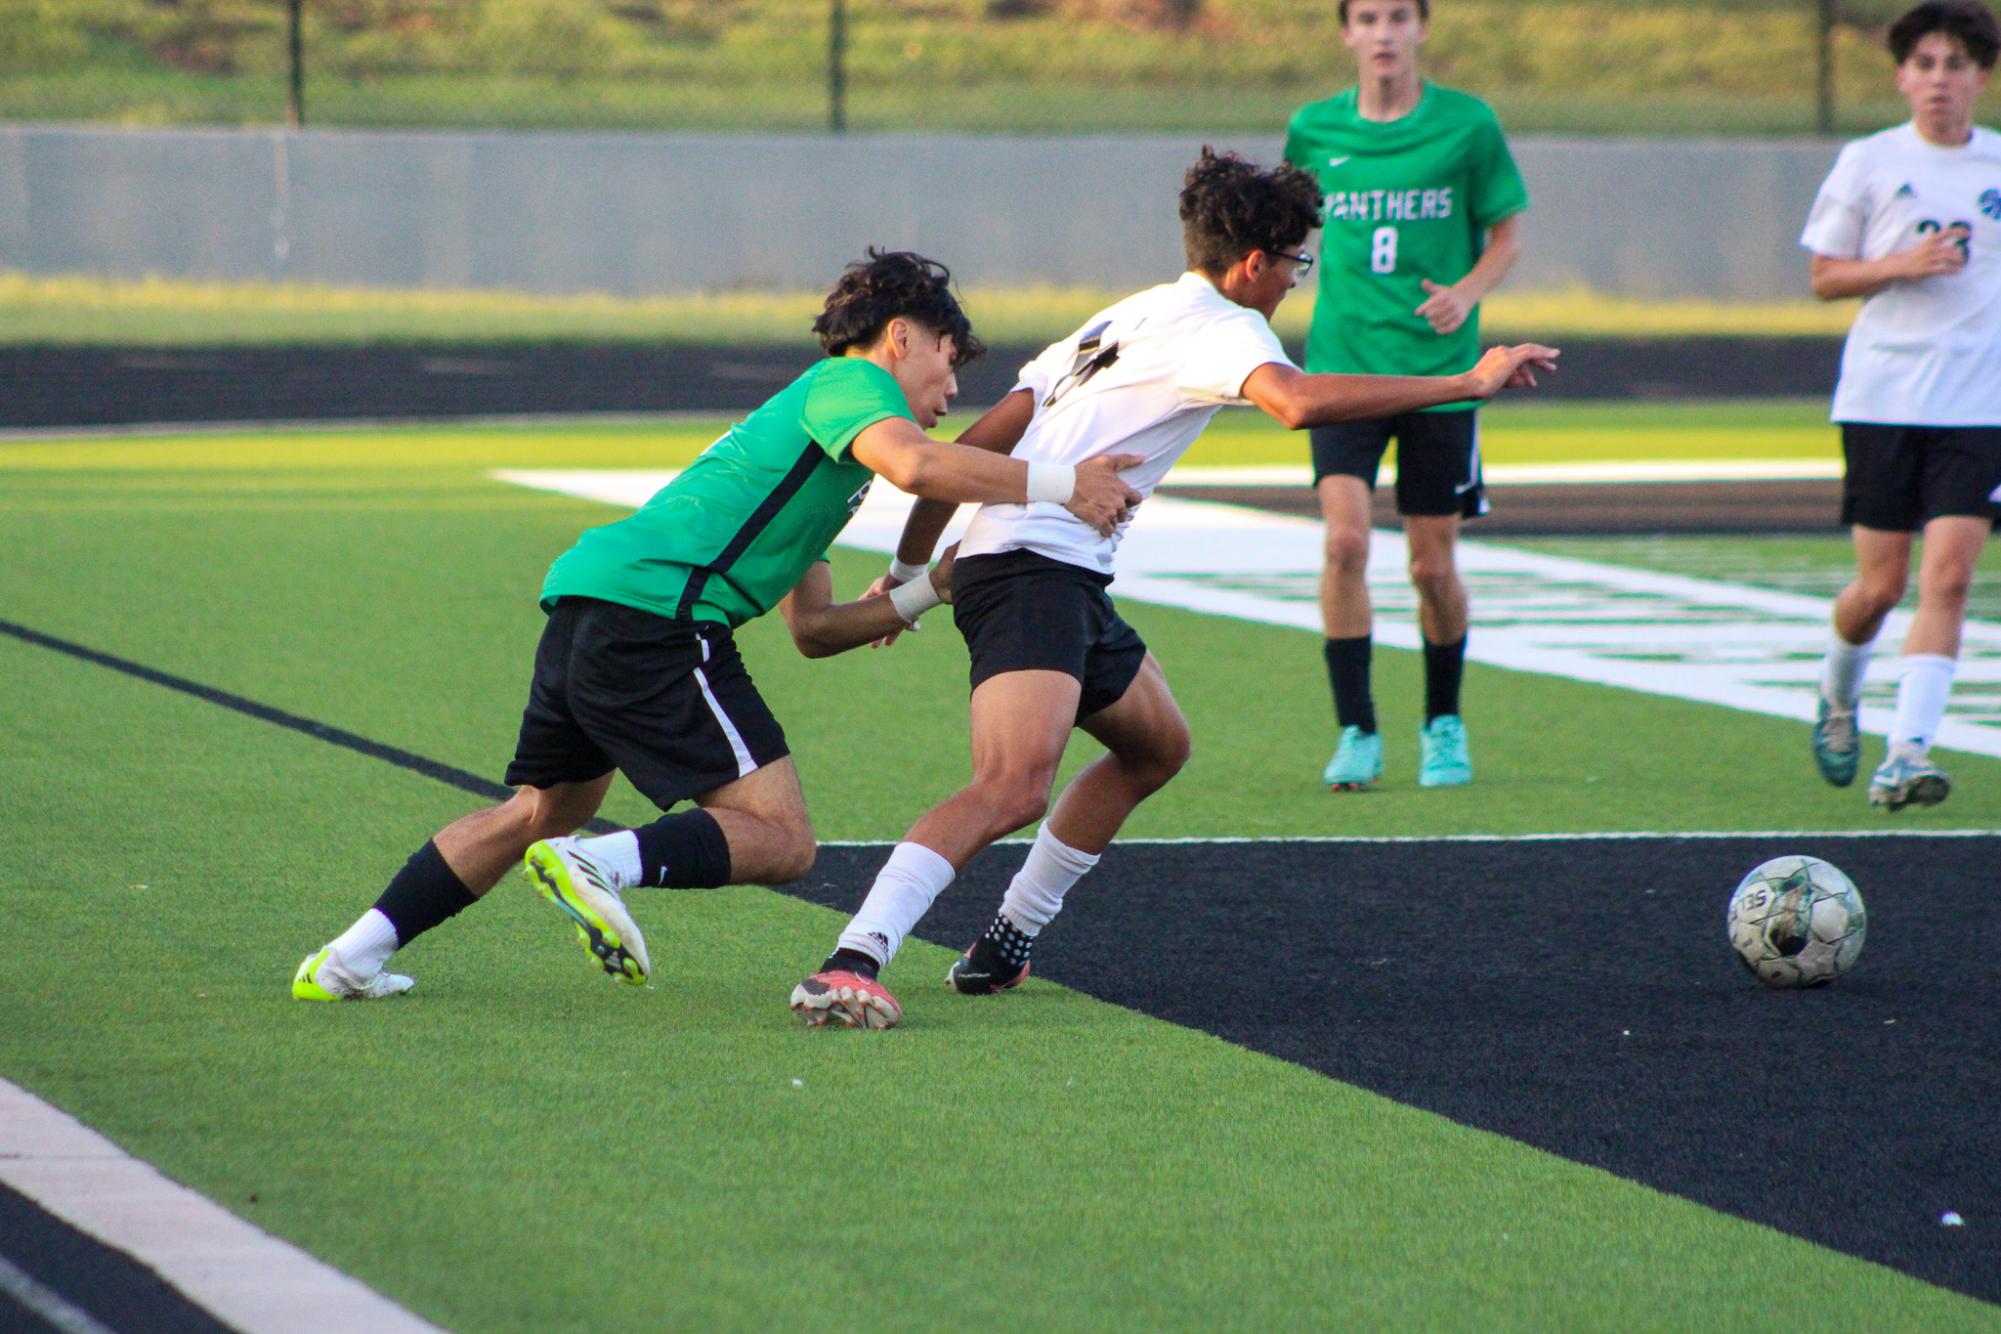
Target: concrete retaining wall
point(634, 214)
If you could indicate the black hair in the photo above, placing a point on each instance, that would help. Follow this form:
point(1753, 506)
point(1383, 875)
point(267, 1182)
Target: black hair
point(1968, 20)
point(1230, 207)
point(892, 284)
point(1423, 12)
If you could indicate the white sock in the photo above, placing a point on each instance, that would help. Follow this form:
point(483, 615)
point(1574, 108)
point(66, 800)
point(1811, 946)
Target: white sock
point(618, 854)
point(1924, 682)
point(367, 945)
point(1035, 895)
point(904, 891)
point(1842, 670)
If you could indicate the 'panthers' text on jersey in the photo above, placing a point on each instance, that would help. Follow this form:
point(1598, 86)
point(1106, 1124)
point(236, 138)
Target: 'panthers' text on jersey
point(1405, 200)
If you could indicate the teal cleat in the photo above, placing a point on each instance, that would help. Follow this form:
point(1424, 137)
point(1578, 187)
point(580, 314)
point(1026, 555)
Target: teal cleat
point(1357, 762)
point(1837, 748)
point(1908, 780)
point(1442, 758)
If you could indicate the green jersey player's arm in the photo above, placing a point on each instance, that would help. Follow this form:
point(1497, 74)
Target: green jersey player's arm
point(1298, 400)
point(998, 431)
point(822, 627)
point(896, 449)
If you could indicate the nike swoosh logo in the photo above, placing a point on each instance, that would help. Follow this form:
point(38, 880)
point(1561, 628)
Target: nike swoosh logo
point(1337, 161)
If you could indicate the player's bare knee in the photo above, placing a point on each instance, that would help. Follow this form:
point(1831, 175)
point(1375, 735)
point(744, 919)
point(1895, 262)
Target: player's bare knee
point(1435, 577)
point(1346, 550)
point(1880, 596)
point(792, 856)
point(1017, 800)
point(1947, 586)
point(1166, 754)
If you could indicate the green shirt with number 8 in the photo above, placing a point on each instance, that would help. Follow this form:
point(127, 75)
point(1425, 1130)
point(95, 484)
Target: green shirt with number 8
point(1406, 200)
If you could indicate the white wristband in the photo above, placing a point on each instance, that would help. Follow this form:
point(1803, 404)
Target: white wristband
point(1052, 481)
point(913, 599)
point(904, 572)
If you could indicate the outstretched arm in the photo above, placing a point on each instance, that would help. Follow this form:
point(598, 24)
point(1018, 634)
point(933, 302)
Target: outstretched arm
point(822, 627)
point(997, 431)
point(1298, 400)
point(894, 448)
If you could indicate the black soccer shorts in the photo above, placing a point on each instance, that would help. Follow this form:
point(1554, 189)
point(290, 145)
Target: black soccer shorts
point(1021, 611)
point(667, 703)
point(1438, 459)
point(1899, 478)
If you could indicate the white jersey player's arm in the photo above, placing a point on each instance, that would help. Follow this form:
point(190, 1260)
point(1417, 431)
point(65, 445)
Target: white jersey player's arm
point(1939, 253)
point(1298, 400)
point(998, 431)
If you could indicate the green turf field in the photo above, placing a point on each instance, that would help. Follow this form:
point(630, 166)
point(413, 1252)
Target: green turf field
point(520, 1145)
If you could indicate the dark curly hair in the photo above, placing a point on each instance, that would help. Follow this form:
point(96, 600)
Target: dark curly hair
point(1423, 12)
point(889, 284)
point(1972, 23)
point(1230, 207)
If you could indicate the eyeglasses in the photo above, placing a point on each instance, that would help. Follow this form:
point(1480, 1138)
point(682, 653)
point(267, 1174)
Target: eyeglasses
point(1304, 263)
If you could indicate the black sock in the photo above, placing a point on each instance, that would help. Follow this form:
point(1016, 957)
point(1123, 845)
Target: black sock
point(851, 961)
point(424, 893)
point(684, 851)
point(1348, 670)
point(1014, 945)
point(1444, 668)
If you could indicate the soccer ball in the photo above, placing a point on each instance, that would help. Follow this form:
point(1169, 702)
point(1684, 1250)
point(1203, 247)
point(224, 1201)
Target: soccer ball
point(1797, 922)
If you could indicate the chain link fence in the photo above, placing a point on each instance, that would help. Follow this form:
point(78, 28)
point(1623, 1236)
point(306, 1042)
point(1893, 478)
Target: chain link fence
point(1071, 66)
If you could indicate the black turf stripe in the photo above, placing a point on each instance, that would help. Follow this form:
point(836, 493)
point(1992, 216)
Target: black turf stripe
point(760, 519)
point(361, 745)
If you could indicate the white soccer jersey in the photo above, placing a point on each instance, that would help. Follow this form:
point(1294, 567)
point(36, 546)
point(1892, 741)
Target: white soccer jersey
point(1141, 377)
point(1924, 353)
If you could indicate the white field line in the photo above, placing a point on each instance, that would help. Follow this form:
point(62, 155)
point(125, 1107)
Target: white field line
point(1706, 640)
point(1627, 836)
point(1542, 474)
point(47, 1303)
point(245, 1277)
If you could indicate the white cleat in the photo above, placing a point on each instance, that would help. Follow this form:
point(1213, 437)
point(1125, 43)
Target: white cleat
point(324, 977)
point(581, 888)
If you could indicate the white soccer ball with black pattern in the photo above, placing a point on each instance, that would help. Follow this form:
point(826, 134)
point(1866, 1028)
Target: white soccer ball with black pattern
point(1797, 922)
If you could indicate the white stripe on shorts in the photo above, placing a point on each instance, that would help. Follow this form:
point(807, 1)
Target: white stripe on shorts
point(744, 763)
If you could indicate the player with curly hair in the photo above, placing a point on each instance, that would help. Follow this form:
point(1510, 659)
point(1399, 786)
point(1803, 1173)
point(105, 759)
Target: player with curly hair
point(1909, 220)
point(637, 669)
point(1049, 650)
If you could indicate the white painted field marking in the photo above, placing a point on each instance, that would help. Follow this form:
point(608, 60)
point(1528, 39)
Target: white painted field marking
point(1541, 474)
point(246, 1278)
point(1615, 836)
point(1745, 648)
point(47, 1303)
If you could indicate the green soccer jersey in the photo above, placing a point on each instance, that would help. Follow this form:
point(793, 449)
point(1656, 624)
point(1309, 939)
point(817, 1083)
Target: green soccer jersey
point(1406, 200)
point(732, 534)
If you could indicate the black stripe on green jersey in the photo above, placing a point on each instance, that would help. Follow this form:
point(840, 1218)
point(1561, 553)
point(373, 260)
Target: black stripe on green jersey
point(760, 519)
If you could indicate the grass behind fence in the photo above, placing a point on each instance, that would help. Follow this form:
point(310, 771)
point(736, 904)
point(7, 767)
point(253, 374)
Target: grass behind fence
point(1706, 66)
